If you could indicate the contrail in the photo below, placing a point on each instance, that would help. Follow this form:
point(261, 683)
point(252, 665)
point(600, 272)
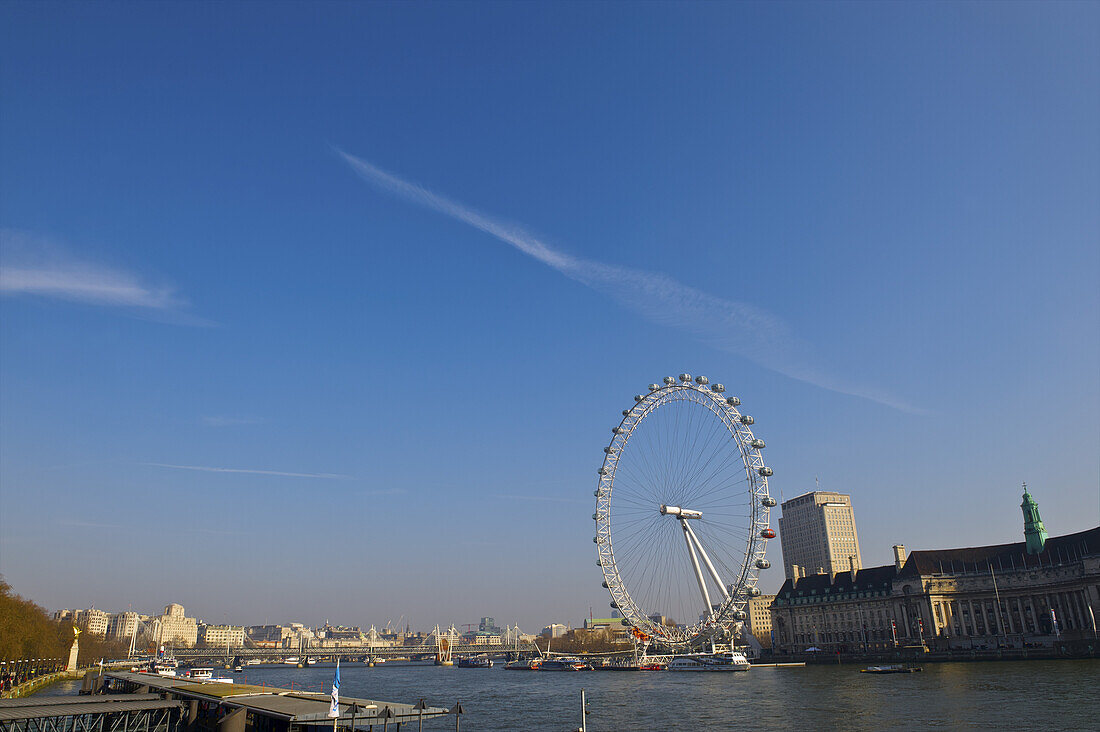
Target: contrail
point(207, 469)
point(730, 326)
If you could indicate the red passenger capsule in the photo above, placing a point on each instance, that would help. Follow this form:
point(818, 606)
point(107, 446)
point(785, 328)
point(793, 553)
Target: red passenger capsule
point(768, 534)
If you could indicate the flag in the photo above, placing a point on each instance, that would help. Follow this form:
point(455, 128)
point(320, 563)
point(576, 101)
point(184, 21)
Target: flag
point(334, 706)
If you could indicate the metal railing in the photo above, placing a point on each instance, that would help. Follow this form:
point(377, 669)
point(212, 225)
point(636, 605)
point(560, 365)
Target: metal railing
point(18, 672)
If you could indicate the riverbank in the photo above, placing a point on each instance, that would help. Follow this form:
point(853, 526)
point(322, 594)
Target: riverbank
point(1063, 651)
point(35, 685)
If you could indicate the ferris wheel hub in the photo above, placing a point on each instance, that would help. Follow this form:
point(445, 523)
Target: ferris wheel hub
point(684, 513)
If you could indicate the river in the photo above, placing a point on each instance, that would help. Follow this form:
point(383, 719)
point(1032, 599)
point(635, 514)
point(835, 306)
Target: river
point(1034, 695)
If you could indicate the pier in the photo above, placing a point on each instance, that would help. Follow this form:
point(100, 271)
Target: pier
point(219, 707)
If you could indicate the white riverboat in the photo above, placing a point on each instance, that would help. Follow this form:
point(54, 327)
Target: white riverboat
point(710, 662)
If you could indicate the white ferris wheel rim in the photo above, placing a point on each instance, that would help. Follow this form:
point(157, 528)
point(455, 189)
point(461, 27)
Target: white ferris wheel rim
point(732, 609)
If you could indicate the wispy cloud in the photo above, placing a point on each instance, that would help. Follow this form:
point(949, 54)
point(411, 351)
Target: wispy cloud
point(731, 326)
point(249, 471)
point(89, 524)
point(32, 266)
point(546, 499)
point(141, 527)
point(227, 421)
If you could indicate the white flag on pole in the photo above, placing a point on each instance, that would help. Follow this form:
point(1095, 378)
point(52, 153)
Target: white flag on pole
point(334, 706)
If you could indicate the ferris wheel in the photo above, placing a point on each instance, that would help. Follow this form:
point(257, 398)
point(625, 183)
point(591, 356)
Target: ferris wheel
point(681, 515)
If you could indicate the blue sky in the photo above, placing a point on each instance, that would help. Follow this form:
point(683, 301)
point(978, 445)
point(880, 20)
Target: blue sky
point(876, 223)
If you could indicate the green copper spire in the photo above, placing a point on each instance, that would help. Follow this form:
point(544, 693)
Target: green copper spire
point(1034, 532)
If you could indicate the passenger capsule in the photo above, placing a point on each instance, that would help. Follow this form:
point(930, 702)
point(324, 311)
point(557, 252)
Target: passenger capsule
point(702, 380)
point(739, 615)
point(617, 430)
point(755, 592)
point(763, 564)
point(733, 401)
point(757, 443)
point(719, 388)
point(595, 540)
point(595, 516)
point(604, 583)
point(685, 378)
point(769, 501)
point(626, 412)
point(596, 493)
point(746, 419)
point(602, 471)
point(638, 397)
point(766, 533)
point(607, 450)
point(766, 472)
point(653, 387)
point(669, 380)
point(614, 604)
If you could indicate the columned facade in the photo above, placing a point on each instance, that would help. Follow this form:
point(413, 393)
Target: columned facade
point(975, 598)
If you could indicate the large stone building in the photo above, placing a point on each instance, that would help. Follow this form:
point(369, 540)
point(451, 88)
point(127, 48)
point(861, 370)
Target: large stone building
point(90, 621)
point(1008, 595)
point(818, 534)
point(758, 622)
point(125, 625)
point(221, 636)
point(175, 628)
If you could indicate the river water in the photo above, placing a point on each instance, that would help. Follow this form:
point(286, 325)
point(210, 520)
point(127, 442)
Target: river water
point(1034, 695)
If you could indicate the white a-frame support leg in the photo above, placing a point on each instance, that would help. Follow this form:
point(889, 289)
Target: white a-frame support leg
point(695, 564)
point(706, 560)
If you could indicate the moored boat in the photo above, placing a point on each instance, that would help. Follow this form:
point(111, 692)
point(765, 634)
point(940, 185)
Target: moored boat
point(892, 669)
point(567, 663)
point(709, 662)
point(475, 662)
point(531, 664)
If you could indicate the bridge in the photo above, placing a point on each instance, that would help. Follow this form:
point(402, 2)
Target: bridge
point(353, 653)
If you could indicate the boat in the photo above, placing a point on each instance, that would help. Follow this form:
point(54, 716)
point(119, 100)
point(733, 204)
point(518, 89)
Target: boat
point(164, 669)
point(475, 662)
point(311, 661)
point(252, 662)
point(644, 666)
point(566, 663)
point(893, 669)
point(206, 673)
point(709, 662)
point(291, 661)
point(528, 665)
point(238, 668)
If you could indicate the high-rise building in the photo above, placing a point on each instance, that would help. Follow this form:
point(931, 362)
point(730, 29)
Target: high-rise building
point(759, 619)
point(176, 629)
point(818, 534)
point(124, 625)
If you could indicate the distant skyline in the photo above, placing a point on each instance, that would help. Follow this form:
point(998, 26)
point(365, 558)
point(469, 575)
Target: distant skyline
point(262, 351)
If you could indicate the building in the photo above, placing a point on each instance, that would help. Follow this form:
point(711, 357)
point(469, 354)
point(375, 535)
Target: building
point(221, 636)
point(90, 621)
point(818, 533)
point(1030, 593)
point(555, 630)
point(175, 628)
point(125, 625)
point(759, 621)
point(488, 625)
point(339, 636)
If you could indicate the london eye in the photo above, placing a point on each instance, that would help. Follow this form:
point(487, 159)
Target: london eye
point(682, 514)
